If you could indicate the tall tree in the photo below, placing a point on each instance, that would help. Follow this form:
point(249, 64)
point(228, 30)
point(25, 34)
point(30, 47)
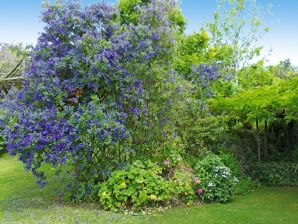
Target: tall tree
point(238, 24)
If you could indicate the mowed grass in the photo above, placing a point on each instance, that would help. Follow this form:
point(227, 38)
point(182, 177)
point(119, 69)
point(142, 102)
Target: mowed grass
point(22, 201)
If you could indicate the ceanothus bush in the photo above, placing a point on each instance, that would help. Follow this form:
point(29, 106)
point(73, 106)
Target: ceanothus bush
point(94, 87)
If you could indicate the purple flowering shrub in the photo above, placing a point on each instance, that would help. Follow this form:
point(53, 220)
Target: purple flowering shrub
point(101, 94)
point(94, 88)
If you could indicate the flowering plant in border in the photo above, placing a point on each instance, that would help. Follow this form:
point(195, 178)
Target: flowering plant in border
point(214, 181)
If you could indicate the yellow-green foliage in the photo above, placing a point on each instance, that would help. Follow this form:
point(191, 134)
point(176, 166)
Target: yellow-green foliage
point(138, 186)
point(263, 102)
point(129, 14)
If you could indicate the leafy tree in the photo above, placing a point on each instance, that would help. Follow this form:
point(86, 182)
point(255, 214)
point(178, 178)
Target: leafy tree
point(11, 55)
point(284, 69)
point(264, 104)
point(256, 75)
point(238, 24)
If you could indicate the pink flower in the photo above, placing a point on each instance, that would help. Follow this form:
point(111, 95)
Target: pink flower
point(200, 191)
point(166, 162)
point(196, 180)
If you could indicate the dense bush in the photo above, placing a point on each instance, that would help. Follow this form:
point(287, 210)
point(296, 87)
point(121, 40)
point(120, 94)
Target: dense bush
point(216, 180)
point(275, 174)
point(201, 131)
point(184, 188)
point(137, 186)
point(97, 90)
point(145, 184)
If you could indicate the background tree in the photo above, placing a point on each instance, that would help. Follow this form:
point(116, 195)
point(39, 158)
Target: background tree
point(238, 24)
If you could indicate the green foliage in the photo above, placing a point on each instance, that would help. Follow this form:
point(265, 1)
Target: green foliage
point(238, 24)
point(245, 185)
point(10, 55)
point(230, 161)
point(2, 144)
point(173, 151)
point(262, 103)
point(128, 14)
point(268, 113)
point(216, 179)
point(183, 186)
point(275, 174)
point(195, 49)
point(201, 131)
point(137, 186)
point(22, 201)
point(191, 51)
point(141, 185)
point(284, 70)
point(255, 75)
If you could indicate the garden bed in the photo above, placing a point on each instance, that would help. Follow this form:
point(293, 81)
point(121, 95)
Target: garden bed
point(22, 201)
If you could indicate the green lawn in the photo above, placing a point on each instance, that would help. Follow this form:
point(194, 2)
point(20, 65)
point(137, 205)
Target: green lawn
point(22, 201)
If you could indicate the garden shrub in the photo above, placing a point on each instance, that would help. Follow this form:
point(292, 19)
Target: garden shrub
point(96, 90)
point(172, 151)
point(216, 182)
point(183, 185)
point(137, 186)
point(275, 173)
point(201, 131)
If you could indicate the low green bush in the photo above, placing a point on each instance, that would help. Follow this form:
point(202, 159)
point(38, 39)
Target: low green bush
point(183, 185)
point(215, 181)
point(245, 185)
point(275, 174)
point(142, 185)
point(138, 186)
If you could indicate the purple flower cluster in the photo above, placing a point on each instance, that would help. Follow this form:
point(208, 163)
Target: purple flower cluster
point(204, 75)
point(85, 85)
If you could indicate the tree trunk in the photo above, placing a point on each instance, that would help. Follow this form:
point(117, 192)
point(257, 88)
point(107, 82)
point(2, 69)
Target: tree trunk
point(258, 140)
point(266, 139)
